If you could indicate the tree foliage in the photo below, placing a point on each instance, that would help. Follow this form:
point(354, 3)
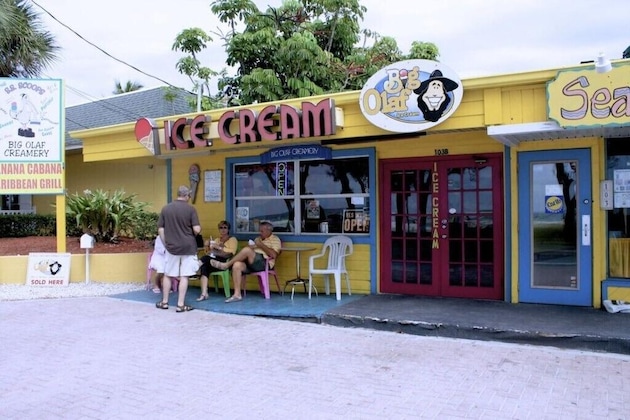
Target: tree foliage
point(129, 86)
point(26, 48)
point(299, 49)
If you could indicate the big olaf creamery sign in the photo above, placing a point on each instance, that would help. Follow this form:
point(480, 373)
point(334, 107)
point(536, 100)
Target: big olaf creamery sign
point(411, 96)
point(31, 136)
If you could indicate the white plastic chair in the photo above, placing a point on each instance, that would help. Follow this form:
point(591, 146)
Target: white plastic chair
point(338, 248)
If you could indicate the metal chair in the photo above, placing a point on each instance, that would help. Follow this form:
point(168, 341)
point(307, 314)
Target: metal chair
point(338, 248)
point(263, 279)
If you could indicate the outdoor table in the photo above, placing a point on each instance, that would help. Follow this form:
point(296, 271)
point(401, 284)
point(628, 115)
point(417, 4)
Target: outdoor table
point(298, 279)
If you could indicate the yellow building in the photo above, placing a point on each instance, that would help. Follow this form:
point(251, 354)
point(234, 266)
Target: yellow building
point(516, 189)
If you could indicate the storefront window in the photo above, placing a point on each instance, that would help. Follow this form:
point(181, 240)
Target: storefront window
point(618, 170)
point(332, 197)
point(10, 202)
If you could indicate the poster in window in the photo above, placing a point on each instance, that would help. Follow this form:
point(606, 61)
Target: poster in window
point(621, 188)
point(313, 210)
point(212, 186)
point(356, 221)
point(242, 219)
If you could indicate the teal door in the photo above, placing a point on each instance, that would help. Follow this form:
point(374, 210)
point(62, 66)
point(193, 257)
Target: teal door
point(555, 243)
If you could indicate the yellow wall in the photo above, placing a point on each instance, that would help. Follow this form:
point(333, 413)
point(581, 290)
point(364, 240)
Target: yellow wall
point(104, 268)
point(145, 177)
point(619, 293)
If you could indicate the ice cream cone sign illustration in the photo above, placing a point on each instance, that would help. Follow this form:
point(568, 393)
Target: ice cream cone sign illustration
point(147, 135)
point(193, 177)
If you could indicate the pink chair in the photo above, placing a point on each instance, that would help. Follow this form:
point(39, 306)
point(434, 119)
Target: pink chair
point(263, 280)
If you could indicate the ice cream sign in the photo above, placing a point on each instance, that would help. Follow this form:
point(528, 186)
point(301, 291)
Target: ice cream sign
point(411, 96)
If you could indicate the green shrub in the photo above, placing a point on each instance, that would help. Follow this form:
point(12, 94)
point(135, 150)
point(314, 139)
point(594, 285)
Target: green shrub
point(22, 225)
point(145, 227)
point(105, 216)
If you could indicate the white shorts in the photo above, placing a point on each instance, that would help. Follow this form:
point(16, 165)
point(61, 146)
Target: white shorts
point(181, 265)
point(157, 262)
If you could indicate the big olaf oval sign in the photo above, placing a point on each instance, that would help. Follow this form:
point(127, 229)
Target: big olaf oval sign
point(411, 96)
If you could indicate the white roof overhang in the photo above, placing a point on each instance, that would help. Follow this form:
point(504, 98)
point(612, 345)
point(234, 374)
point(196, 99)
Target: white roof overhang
point(513, 134)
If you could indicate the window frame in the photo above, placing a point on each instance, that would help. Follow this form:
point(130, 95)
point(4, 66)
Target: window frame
point(369, 153)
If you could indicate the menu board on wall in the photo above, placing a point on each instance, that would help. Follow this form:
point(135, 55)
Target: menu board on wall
point(212, 186)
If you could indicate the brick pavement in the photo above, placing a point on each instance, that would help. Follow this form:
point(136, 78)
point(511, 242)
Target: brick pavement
point(101, 358)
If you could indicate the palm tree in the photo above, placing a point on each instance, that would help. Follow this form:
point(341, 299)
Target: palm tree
point(129, 87)
point(26, 48)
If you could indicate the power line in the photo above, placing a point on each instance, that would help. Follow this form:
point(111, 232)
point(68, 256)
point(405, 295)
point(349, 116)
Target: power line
point(105, 52)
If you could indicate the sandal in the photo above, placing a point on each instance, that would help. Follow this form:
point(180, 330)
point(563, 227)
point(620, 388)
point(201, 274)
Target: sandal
point(161, 305)
point(233, 299)
point(202, 297)
point(184, 308)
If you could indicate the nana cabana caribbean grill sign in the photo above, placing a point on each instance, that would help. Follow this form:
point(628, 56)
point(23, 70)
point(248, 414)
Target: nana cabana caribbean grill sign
point(411, 96)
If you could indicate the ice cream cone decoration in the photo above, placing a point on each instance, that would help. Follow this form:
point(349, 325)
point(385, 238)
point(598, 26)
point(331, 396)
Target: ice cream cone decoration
point(146, 135)
point(193, 177)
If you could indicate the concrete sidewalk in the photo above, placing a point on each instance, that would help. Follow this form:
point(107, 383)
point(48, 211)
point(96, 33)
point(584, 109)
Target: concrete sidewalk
point(104, 358)
point(560, 326)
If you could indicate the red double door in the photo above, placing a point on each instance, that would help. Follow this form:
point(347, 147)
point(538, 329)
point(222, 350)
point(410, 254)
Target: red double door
point(442, 226)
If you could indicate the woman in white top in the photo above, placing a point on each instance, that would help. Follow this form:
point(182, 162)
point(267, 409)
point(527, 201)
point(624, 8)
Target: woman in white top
point(158, 259)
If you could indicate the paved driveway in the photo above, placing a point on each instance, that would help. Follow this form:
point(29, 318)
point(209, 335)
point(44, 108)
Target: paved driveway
point(98, 358)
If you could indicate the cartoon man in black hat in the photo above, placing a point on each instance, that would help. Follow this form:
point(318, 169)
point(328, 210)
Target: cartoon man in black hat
point(433, 99)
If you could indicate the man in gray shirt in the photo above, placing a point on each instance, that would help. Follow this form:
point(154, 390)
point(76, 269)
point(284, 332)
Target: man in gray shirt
point(178, 225)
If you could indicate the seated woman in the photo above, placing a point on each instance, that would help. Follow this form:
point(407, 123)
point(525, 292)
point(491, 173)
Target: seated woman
point(220, 249)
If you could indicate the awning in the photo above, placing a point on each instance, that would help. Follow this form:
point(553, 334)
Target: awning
point(513, 134)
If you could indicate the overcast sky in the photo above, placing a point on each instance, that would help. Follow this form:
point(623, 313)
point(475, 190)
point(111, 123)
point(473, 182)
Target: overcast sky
point(474, 37)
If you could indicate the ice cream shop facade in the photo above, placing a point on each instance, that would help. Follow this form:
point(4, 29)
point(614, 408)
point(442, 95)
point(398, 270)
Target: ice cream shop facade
point(509, 187)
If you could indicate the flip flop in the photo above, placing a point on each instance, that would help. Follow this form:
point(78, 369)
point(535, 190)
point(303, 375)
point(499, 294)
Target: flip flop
point(233, 299)
point(184, 308)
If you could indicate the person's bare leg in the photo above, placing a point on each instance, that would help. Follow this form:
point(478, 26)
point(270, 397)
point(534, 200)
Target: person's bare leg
point(245, 254)
point(181, 290)
point(166, 288)
point(154, 280)
point(204, 287)
point(237, 278)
